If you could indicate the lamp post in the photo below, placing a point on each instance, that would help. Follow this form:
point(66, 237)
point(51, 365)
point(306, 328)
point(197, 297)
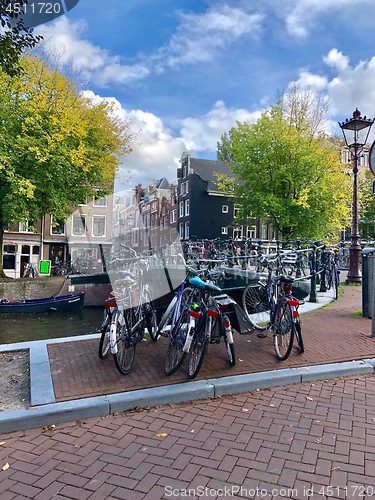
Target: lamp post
point(355, 131)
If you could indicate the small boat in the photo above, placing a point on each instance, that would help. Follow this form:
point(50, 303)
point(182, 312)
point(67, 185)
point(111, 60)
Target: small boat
point(60, 303)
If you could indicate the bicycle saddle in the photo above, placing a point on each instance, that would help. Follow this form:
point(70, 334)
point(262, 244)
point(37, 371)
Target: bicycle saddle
point(284, 278)
point(209, 287)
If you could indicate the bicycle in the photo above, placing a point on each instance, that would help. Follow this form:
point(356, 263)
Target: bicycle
point(270, 304)
point(128, 313)
point(212, 315)
point(30, 271)
point(332, 274)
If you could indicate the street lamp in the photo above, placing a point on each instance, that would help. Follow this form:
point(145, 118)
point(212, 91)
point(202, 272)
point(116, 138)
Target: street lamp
point(355, 131)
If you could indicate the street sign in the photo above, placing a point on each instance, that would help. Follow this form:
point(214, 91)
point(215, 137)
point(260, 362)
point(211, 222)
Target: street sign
point(371, 158)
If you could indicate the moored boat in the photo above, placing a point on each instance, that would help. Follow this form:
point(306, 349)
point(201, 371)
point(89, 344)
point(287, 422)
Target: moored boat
point(59, 303)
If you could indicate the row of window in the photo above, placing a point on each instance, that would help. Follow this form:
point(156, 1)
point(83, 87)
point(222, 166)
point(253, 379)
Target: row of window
point(78, 226)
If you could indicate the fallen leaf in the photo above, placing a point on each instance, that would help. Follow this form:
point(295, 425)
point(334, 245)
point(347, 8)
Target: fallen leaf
point(318, 440)
point(309, 399)
point(245, 409)
point(5, 467)
point(2, 443)
point(162, 435)
point(335, 468)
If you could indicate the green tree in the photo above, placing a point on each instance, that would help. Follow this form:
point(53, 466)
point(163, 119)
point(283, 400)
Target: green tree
point(15, 38)
point(287, 173)
point(367, 208)
point(56, 146)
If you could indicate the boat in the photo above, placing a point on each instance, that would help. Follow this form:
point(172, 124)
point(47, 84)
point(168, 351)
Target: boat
point(60, 303)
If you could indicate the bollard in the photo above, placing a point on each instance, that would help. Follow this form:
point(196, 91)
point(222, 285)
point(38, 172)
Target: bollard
point(313, 275)
point(298, 260)
point(323, 261)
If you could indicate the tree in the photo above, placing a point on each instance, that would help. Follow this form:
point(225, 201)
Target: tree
point(15, 37)
point(287, 173)
point(56, 146)
point(367, 208)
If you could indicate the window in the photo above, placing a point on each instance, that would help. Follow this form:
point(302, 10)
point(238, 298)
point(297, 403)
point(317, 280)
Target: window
point(187, 207)
point(236, 212)
point(264, 232)
point(172, 216)
point(184, 188)
point(346, 155)
point(9, 257)
point(181, 230)
point(237, 232)
point(98, 225)
point(25, 227)
point(78, 225)
point(251, 232)
point(224, 230)
point(181, 208)
point(186, 230)
point(225, 209)
point(36, 249)
point(100, 202)
point(135, 237)
point(57, 226)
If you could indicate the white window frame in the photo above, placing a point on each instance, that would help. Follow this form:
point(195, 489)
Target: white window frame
point(57, 234)
point(83, 217)
point(181, 209)
point(23, 227)
point(187, 230)
point(181, 230)
point(187, 207)
point(224, 230)
point(172, 216)
point(225, 209)
point(93, 225)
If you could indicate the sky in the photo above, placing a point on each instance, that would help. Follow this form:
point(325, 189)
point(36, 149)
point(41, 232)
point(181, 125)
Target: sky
point(182, 72)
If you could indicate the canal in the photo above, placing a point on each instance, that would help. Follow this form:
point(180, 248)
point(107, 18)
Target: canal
point(49, 325)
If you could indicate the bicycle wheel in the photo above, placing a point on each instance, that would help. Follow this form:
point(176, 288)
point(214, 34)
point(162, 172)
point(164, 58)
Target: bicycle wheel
point(198, 348)
point(283, 331)
point(125, 355)
point(230, 351)
point(175, 353)
point(104, 338)
point(255, 305)
point(298, 332)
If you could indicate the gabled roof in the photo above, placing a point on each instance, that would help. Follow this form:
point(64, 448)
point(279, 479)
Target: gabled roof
point(206, 169)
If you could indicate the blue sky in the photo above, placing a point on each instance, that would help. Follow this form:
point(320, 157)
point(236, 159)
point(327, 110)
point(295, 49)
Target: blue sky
point(182, 72)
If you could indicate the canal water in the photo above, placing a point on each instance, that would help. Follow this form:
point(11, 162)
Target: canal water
point(50, 325)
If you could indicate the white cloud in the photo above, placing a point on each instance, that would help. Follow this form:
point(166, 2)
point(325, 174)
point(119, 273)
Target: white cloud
point(199, 37)
point(67, 41)
point(336, 60)
point(310, 81)
point(202, 133)
point(301, 16)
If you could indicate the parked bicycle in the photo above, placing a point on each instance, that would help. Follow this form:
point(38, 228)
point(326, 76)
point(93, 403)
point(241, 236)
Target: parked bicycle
point(270, 305)
point(128, 313)
point(213, 324)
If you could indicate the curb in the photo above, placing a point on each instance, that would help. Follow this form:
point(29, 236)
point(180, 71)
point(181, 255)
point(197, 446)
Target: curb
point(100, 406)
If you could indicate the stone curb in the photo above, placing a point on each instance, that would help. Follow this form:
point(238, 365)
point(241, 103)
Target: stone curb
point(53, 413)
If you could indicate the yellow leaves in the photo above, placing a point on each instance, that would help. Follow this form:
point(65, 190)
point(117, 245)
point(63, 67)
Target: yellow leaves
point(26, 188)
point(302, 199)
point(162, 435)
point(5, 467)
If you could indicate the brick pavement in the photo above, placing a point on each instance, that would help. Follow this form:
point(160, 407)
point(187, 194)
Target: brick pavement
point(331, 334)
point(306, 441)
